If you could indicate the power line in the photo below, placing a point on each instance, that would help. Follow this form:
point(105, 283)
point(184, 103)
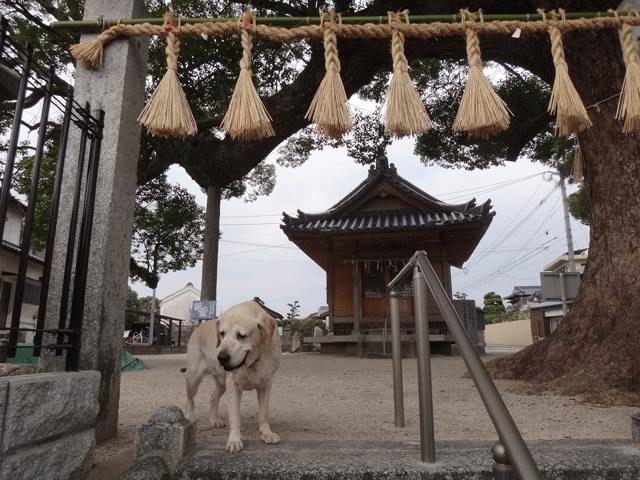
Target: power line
point(501, 239)
point(253, 250)
point(284, 245)
point(460, 194)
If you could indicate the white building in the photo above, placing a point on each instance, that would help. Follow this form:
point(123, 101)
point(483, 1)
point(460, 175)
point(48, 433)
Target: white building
point(178, 304)
point(9, 262)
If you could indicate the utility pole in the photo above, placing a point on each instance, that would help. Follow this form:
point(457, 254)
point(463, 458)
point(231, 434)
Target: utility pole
point(567, 226)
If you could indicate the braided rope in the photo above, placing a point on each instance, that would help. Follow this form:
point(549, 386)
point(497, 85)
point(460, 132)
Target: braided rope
point(556, 48)
point(630, 44)
point(247, 45)
point(397, 45)
point(473, 49)
point(332, 62)
point(572, 116)
point(173, 43)
point(629, 103)
point(370, 30)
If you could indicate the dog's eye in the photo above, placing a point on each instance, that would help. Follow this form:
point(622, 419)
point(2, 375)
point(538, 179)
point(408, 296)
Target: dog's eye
point(222, 334)
point(241, 336)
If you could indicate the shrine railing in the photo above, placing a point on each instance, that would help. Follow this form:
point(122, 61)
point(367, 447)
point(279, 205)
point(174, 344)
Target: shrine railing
point(511, 448)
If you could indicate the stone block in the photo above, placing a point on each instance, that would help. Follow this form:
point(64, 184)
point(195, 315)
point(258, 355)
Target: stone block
point(67, 458)
point(635, 427)
point(151, 467)
point(167, 430)
point(49, 405)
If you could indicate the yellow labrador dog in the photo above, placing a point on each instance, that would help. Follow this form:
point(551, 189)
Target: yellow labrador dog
point(241, 350)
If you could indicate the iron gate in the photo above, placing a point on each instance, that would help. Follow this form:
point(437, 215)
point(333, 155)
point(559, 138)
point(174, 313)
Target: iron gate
point(33, 92)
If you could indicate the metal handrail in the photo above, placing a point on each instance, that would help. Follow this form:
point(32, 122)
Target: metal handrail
point(508, 432)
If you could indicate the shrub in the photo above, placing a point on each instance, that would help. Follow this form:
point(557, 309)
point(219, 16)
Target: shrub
point(306, 326)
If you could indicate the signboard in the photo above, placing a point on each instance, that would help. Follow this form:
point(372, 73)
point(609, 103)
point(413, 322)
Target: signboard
point(551, 289)
point(203, 310)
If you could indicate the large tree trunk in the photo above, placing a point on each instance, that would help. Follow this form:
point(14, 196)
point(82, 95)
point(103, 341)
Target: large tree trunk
point(596, 349)
point(211, 241)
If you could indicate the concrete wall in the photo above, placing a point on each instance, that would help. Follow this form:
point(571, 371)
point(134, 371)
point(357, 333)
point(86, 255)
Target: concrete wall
point(517, 332)
point(47, 425)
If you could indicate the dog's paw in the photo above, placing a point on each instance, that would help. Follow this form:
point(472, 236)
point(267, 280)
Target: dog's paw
point(270, 437)
point(217, 423)
point(235, 445)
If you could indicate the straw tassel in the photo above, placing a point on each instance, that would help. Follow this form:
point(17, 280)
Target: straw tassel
point(247, 118)
point(572, 117)
point(90, 54)
point(405, 113)
point(482, 112)
point(328, 109)
point(578, 164)
point(629, 104)
point(167, 114)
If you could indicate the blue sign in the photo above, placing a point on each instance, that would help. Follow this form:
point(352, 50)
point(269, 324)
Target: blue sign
point(203, 310)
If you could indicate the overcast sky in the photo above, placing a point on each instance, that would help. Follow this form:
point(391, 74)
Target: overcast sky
point(257, 260)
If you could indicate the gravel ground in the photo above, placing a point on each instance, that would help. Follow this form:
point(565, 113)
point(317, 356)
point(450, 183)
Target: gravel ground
point(328, 397)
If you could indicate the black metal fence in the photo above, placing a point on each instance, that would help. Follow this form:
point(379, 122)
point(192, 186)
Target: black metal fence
point(43, 103)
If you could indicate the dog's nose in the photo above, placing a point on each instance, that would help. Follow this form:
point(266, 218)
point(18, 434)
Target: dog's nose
point(223, 358)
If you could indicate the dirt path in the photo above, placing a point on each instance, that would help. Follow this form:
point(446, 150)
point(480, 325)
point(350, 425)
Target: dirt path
point(327, 397)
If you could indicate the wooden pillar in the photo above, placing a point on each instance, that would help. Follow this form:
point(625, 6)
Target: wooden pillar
point(446, 267)
point(357, 306)
point(330, 290)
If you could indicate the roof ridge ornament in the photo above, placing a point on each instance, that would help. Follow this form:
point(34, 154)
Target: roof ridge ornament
point(382, 162)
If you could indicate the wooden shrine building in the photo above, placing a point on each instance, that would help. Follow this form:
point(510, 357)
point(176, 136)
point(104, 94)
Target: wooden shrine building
point(364, 240)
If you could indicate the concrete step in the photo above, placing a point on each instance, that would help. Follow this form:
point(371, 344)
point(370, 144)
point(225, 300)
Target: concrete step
point(381, 460)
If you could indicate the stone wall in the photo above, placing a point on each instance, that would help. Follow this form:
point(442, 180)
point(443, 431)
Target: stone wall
point(47, 425)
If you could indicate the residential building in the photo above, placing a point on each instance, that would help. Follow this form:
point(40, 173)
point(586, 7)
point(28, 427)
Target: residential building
point(9, 263)
point(179, 303)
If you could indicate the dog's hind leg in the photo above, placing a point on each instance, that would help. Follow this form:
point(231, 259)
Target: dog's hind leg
point(192, 382)
point(216, 421)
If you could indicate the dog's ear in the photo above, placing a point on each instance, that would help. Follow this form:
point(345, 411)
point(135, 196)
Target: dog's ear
point(216, 327)
point(267, 326)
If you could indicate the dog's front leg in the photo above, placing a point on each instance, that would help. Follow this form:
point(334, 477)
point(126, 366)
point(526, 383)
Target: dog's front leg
point(263, 415)
point(235, 437)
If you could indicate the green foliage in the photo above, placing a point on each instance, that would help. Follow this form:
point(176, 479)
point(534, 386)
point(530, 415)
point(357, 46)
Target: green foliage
point(494, 310)
point(22, 184)
point(168, 230)
point(306, 326)
point(294, 310)
point(134, 302)
point(579, 207)
point(258, 182)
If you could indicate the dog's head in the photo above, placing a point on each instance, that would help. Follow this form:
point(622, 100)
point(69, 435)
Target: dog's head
point(243, 332)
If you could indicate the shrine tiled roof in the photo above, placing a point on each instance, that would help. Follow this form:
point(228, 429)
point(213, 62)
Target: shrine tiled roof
point(425, 212)
point(387, 206)
point(382, 222)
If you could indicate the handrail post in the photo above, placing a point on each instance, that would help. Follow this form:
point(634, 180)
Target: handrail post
point(396, 359)
point(427, 442)
point(508, 432)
